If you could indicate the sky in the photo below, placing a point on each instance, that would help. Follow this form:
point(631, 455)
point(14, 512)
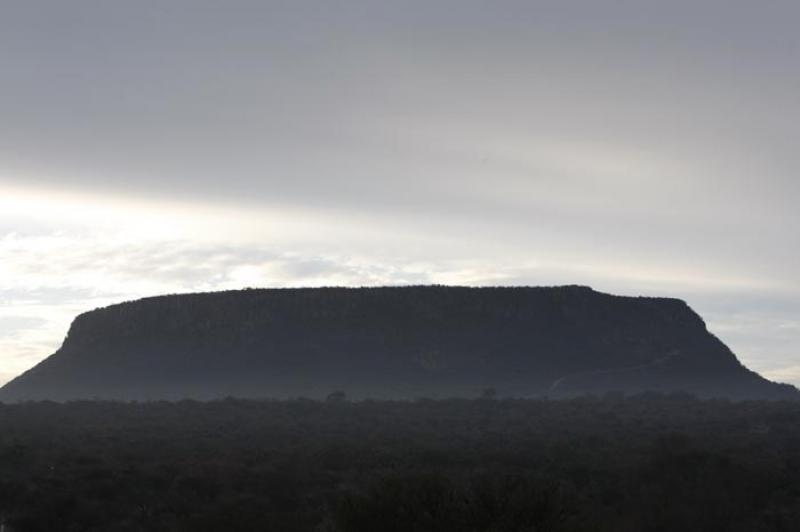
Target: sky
point(639, 147)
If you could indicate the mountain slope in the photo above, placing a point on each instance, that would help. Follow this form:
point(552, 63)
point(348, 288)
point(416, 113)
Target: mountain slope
point(389, 342)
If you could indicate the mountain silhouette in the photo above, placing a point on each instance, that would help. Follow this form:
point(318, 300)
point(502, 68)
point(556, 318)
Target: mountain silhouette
point(390, 342)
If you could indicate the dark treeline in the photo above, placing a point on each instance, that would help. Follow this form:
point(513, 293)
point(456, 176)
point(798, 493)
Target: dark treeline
point(646, 463)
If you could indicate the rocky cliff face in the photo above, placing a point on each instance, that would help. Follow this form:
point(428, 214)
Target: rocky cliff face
point(399, 342)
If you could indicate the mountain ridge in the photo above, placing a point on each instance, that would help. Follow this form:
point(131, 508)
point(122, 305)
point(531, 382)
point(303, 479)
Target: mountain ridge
point(389, 342)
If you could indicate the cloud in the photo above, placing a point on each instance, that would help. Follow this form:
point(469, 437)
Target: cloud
point(786, 374)
point(14, 325)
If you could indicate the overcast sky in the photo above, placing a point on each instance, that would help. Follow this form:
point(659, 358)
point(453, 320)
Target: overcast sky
point(638, 147)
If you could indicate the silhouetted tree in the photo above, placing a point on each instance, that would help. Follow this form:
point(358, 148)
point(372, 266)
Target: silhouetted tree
point(489, 393)
point(336, 397)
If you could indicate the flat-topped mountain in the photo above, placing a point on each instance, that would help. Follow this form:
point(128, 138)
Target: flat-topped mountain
point(390, 342)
